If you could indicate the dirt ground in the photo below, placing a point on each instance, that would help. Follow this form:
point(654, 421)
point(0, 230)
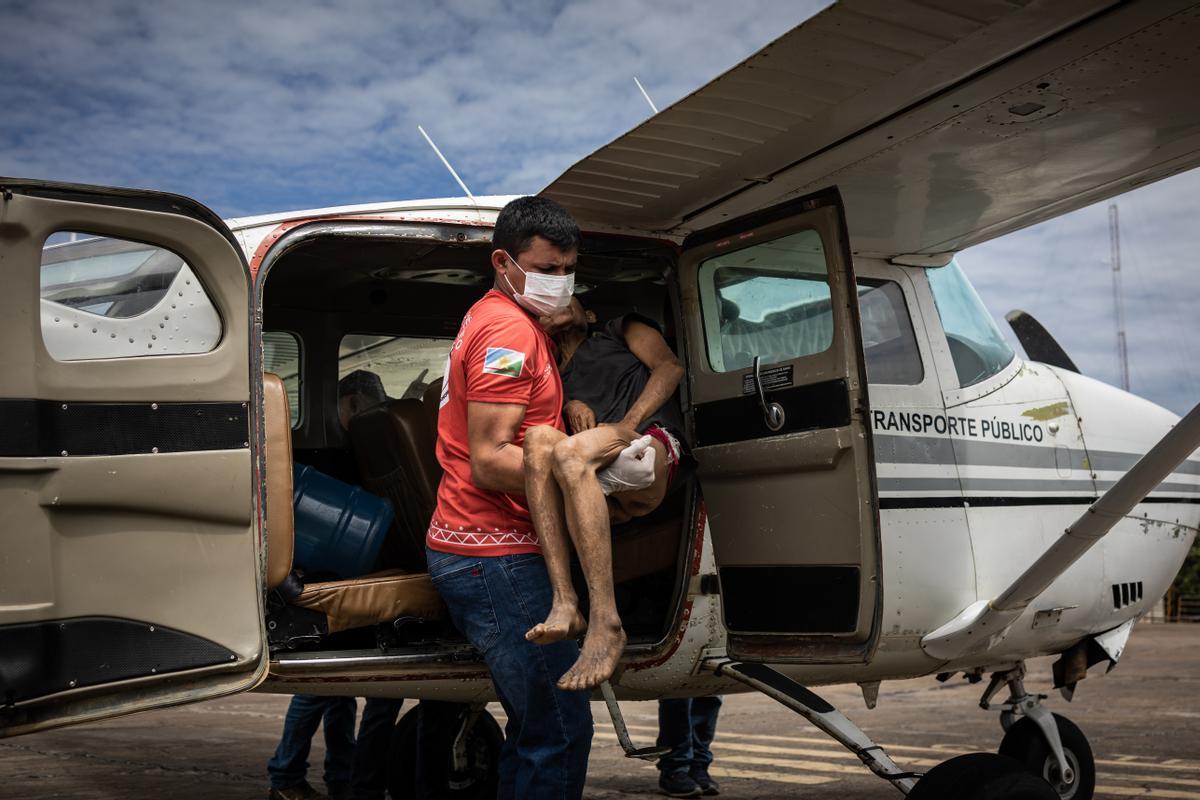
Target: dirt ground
point(1143, 721)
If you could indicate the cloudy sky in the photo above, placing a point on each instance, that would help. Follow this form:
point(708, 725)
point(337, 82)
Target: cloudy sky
point(266, 106)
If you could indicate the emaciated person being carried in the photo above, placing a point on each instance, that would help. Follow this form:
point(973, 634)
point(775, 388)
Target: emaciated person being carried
point(618, 383)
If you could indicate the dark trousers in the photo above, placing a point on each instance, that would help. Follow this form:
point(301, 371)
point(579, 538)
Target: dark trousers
point(371, 751)
point(289, 765)
point(493, 601)
point(687, 726)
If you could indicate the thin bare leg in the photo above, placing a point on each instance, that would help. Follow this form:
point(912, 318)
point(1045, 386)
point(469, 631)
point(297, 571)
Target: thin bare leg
point(575, 463)
point(546, 508)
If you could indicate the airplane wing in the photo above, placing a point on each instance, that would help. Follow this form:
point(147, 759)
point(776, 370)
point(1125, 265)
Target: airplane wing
point(943, 124)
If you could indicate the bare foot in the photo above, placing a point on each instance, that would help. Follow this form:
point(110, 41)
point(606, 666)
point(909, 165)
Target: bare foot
point(561, 623)
point(602, 649)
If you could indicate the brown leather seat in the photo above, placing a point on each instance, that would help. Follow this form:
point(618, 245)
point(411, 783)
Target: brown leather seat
point(645, 549)
point(394, 446)
point(278, 457)
point(380, 597)
point(432, 398)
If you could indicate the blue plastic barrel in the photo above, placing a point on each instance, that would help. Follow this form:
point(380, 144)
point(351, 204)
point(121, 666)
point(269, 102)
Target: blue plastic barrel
point(339, 527)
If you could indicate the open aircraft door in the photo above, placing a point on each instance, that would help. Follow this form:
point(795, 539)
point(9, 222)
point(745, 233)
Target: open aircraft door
point(779, 400)
point(129, 572)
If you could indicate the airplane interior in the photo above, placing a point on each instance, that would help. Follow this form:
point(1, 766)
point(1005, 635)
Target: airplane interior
point(391, 307)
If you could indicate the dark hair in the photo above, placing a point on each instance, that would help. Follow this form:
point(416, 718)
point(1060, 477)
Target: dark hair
point(527, 217)
point(363, 382)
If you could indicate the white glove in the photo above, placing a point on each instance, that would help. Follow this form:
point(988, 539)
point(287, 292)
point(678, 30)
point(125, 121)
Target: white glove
point(633, 469)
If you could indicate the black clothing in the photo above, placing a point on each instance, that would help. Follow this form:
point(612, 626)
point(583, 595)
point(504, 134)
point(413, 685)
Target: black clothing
point(605, 374)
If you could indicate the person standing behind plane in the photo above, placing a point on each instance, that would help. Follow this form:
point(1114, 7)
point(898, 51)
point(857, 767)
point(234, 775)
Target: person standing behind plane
point(484, 556)
point(688, 726)
point(288, 768)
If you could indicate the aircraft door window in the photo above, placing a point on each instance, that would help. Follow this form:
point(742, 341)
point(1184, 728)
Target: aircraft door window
point(109, 298)
point(770, 300)
point(976, 345)
point(281, 356)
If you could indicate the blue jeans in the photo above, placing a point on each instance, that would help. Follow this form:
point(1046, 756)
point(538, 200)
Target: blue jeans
point(494, 601)
point(289, 765)
point(687, 726)
point(371, 750)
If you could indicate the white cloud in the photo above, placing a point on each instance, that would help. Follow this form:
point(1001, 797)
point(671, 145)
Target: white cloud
point(253, 107)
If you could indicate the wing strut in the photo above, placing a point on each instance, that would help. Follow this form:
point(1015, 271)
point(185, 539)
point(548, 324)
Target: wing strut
point(829, 720)
point(985, 622)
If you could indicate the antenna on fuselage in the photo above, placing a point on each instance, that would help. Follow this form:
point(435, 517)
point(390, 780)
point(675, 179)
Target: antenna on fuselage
point(645, 94)
point(451, 169)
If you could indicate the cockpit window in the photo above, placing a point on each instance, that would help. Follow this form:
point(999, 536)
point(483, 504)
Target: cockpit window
point(978, 349)
point(889, 346)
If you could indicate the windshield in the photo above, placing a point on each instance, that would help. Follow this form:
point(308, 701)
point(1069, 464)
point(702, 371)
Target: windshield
point(405, 364)
point(976, 345)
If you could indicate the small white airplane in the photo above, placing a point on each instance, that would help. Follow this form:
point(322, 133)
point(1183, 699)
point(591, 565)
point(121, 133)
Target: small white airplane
point(885, 490)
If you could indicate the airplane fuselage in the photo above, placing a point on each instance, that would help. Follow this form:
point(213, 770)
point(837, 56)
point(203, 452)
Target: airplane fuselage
point(973, 482)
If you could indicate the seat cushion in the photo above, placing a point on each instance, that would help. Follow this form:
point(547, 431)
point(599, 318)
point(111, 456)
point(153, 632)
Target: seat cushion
point(277, 427)
point(379, 597)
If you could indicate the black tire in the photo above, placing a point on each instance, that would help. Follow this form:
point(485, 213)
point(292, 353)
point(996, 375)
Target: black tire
point(427, 732)
point(1025, 742)
point(981, 776)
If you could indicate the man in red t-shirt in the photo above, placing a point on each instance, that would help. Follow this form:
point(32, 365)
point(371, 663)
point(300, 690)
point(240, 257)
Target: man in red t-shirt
point(484, 555)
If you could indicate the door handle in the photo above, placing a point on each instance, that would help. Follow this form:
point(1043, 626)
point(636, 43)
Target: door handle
point(773, 414)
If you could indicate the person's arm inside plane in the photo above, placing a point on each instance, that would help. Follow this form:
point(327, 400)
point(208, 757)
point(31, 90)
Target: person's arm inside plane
point(665, 371)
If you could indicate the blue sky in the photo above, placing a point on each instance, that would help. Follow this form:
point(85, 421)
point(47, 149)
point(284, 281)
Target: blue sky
point(267, 106)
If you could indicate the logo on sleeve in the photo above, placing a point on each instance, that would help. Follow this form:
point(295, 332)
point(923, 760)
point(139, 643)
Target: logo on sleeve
point(502, 361)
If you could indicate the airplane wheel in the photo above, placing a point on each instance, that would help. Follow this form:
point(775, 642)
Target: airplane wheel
point(1025, 742)
point(439, 724)
point(981, 776)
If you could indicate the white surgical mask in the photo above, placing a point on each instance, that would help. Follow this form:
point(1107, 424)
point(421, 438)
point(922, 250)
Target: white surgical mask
point(544, 294)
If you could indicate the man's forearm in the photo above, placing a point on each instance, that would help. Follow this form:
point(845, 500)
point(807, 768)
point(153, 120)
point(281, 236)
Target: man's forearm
point(500, 470)
point(663, 381)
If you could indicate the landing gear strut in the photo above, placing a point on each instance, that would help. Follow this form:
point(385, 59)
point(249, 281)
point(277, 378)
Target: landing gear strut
point(1048, 745)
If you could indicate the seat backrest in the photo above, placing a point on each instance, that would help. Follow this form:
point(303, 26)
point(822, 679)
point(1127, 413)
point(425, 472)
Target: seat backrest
point(431, 398)
point(394, 446)
point(277, 426)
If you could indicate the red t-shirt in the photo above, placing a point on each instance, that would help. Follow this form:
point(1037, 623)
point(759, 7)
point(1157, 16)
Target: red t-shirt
point(500, 355)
